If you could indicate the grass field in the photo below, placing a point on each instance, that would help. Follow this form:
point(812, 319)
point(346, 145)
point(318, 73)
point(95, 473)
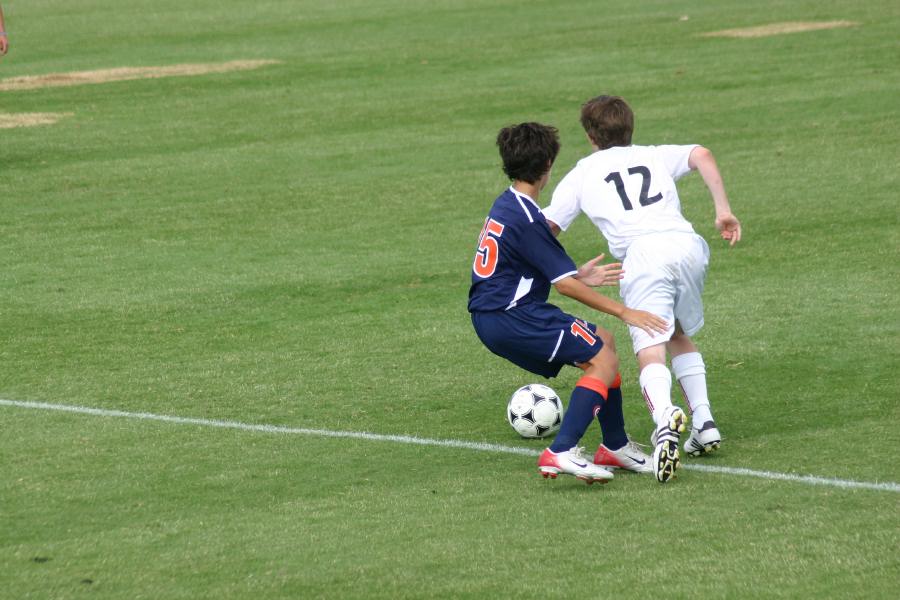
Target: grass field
point(291, 246)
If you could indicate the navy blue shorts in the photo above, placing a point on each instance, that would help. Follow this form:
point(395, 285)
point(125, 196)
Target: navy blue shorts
point(539, 338)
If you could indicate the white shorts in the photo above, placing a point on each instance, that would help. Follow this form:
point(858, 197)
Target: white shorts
point(664, 275)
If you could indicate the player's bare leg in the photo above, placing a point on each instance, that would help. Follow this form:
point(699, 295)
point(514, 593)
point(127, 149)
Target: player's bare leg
point(605, 364)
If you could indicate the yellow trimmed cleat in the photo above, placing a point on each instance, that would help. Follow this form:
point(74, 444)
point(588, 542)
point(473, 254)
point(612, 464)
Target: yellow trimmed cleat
point(665, 438)
point(704, 440)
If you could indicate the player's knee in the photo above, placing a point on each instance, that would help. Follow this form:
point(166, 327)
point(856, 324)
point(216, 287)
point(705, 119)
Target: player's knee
point(652, 354)
point(614, 362)
point(680, 343)
point(606, 362)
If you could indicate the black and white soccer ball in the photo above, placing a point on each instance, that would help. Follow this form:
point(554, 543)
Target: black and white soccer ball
point(534, 411)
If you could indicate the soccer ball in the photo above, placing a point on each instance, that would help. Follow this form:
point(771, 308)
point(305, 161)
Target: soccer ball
point(534, 411)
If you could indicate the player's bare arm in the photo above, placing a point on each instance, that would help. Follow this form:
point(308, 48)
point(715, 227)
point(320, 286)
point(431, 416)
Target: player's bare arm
point(594, 275)
point(702, 160)
point(575, 289)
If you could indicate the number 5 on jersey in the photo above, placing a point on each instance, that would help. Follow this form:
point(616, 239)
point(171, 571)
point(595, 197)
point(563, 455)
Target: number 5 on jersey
point(488, 252)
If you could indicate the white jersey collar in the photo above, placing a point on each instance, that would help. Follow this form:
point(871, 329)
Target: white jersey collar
point(520, 195)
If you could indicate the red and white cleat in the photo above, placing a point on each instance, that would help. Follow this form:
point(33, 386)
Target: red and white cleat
point(571, 462)
point(629, 457)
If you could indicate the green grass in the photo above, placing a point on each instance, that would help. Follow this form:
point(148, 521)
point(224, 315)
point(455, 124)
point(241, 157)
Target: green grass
point(292, 245)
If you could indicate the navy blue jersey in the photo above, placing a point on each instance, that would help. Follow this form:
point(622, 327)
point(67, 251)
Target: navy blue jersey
point(517, 258)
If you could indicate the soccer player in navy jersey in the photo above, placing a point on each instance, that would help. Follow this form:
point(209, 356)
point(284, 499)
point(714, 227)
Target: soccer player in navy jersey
point(517, 260)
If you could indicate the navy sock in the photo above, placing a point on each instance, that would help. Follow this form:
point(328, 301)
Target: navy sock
point(612, 421)
point(578, 415)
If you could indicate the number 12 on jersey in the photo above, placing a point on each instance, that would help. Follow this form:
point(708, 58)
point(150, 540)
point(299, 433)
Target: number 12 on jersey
point(488, 252)
point(616, 179)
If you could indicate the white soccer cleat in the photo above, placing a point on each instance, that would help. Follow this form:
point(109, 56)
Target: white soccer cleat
point(704, 440)
point(629, 457)
point(665, 440)
point(572, 462)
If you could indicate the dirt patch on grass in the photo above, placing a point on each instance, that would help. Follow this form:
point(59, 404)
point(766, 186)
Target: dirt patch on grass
point(8, 121)
point(779, 29)
point(30, 82)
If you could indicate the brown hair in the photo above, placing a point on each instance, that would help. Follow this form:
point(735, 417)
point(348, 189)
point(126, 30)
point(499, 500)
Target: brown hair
point(528, 150)
point(608, 121)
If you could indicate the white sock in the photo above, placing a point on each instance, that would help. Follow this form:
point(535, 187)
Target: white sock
point(691, 374)
point(656, 383)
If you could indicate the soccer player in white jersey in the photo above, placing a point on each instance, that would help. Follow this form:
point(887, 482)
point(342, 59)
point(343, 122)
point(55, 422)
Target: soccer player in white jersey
point(629, 193)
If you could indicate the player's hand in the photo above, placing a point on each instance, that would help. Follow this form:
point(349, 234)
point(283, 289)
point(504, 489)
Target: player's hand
point(729, 227)
point(4, 44)
point(596, 275)
point(646, 321)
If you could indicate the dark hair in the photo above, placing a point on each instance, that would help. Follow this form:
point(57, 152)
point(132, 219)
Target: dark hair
point(528, 150)
point(608, 121)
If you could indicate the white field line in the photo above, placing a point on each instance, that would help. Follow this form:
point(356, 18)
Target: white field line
point(885, 486)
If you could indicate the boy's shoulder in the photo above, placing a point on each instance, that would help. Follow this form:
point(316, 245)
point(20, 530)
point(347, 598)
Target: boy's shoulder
point(622, 156)
point(615, 154)
point(512, 208)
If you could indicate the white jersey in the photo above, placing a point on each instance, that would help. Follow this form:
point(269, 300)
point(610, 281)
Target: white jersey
point(627, 191)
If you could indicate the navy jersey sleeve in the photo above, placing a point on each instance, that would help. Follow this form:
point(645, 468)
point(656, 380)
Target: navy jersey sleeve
point(545, 253)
